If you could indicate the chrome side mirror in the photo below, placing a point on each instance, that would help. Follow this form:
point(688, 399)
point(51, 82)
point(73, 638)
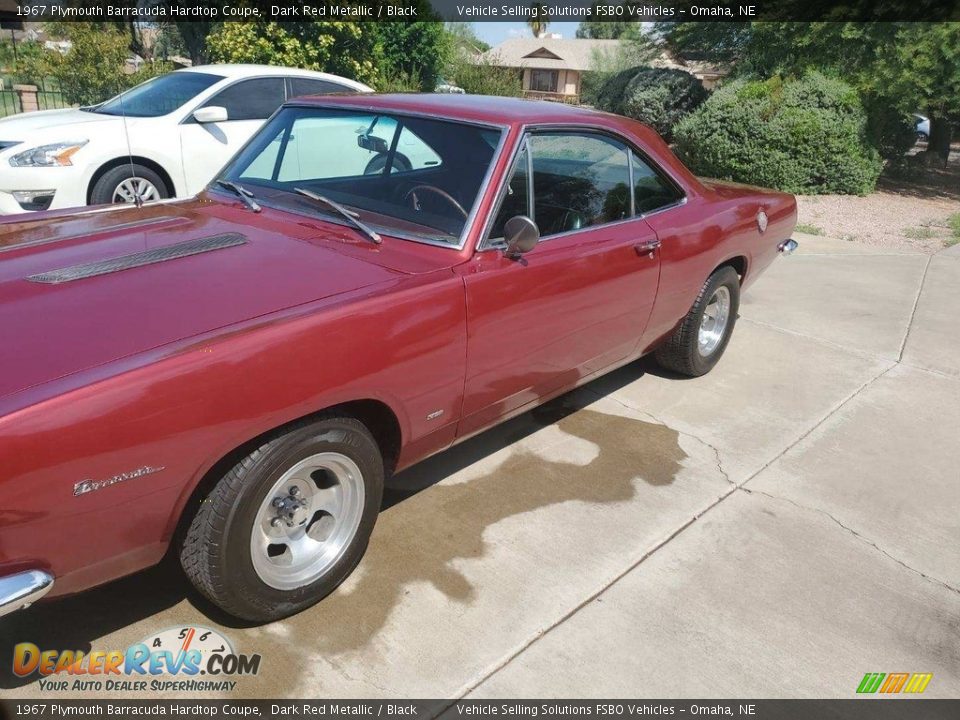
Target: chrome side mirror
point(521, 235)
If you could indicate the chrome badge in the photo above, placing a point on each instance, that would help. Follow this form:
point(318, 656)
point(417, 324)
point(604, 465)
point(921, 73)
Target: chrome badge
point(85, 486)
point(762, 220)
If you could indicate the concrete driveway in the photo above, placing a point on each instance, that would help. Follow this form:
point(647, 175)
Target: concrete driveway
point(775, 529)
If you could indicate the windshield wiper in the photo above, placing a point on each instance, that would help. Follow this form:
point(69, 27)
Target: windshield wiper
point(242, 193)
point(349, 215)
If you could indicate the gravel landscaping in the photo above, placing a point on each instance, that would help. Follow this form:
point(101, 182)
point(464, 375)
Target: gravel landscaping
point(899, 215)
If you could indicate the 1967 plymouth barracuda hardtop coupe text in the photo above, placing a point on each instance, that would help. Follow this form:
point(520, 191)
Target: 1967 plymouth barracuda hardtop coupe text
point(370, 280)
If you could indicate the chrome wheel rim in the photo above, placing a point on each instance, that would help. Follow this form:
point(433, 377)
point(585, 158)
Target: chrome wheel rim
point(127, 191)
point(713, 323)
point(307, 521)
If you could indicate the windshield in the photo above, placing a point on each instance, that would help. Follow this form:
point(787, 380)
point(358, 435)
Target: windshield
point(158, 96)
point(407, 176)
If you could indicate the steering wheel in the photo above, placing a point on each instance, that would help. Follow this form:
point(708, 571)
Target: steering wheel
point(415, 202)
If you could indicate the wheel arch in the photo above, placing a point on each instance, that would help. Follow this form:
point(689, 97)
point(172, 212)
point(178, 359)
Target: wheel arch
point(138, 159)
point(376, 415)
point(739, 263)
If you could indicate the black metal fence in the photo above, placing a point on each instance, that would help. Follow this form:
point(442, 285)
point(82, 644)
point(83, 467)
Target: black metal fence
point(9, 103)
point(43, 97)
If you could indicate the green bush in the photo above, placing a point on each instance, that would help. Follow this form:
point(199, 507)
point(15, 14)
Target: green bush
point(656, 96)
point(806, 135)
point(491, 79)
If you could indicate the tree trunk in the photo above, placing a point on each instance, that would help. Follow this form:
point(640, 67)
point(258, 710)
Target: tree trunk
point(938, 147)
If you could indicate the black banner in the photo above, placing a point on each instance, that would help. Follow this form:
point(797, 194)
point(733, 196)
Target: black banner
point(854, 709)
point(486, 10)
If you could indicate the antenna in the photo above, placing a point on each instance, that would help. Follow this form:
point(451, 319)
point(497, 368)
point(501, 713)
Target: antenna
point(126, 133)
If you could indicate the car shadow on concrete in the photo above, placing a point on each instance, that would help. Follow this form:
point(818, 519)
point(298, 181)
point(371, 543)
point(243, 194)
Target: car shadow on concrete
point(75, 622)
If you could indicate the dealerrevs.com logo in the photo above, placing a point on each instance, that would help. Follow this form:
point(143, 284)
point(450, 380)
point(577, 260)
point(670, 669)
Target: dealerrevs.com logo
point(186, 659)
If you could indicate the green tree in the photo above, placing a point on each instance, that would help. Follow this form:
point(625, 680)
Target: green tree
point(897, 68)
point(463, 36)
point(94, 68)
point(414, 50)
point(345, 48)
point(596, 30)
point(539, 19)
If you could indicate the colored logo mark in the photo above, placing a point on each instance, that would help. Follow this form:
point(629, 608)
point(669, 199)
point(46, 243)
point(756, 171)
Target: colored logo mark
point(889, 683)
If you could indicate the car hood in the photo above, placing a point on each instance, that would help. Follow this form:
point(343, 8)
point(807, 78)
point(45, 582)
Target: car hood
point(80, 290)
point(23, 127)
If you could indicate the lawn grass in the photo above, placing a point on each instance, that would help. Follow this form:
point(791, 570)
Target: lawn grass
point(919, 233)
point(954, 222)
point(809, 229)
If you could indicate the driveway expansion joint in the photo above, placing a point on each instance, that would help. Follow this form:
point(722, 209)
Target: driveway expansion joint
point(543, 632)
point(913, 310)
point(855, 533)
point(646, 413)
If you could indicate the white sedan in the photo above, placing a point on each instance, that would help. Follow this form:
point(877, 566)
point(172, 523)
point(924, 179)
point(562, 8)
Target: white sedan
point(167, 137)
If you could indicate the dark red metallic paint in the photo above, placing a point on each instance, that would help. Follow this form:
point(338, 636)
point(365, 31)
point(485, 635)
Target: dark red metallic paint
point(179, 364)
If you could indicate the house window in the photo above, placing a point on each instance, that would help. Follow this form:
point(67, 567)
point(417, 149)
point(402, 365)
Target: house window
point(544, 80)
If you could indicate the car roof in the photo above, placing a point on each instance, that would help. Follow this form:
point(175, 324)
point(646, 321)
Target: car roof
point(477, 108)
point(241, 70)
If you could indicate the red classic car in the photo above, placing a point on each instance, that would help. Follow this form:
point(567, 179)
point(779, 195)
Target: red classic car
point(369, 281)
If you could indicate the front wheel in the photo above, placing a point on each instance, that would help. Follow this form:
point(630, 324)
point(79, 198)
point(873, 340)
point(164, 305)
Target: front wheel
point(124, 183)
point(289, 522)
point(699, 341)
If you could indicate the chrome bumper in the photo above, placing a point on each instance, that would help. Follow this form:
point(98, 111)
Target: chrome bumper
point(18, 591)
point(788, 247)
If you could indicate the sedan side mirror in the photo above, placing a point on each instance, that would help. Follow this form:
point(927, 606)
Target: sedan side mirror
point(210, 114)
point(521, 235)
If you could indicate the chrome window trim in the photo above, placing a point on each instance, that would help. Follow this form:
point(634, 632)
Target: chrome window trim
point(471, 217)
point(485, 243)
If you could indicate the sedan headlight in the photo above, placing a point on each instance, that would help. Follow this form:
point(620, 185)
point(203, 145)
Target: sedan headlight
point(53, 155)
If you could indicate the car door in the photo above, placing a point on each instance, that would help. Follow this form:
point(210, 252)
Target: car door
point(579, 301)
point(206, 147)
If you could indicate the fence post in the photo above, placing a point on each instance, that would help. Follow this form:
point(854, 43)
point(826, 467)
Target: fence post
point(28, 97)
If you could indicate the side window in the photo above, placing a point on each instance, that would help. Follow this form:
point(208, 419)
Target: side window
point(254, 99)
point(579, 180)
point(307, 86)
point(517, 200)
point(650, 191)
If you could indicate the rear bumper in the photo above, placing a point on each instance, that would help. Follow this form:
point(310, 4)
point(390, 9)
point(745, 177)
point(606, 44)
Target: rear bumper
point(20, 590)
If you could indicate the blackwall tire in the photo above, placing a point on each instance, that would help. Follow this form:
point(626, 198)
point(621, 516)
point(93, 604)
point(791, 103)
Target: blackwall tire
point(118, 184)
point(289, 522)
point(699, 341)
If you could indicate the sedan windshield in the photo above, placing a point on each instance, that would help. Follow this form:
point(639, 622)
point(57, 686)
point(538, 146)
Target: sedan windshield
point(411, 177)
point(158, 96)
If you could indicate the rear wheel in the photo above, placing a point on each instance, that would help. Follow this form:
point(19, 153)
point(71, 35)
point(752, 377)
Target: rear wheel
point(698, 343)
point(289, 522)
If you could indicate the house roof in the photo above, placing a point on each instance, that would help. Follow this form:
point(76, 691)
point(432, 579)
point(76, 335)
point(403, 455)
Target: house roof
point(546, 53)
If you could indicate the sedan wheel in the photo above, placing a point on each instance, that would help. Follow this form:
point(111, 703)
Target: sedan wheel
point(128, 190)
point(122, 184)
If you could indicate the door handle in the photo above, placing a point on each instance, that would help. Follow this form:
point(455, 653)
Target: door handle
point(647, 247)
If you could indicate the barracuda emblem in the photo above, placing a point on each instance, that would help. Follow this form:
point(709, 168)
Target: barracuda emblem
point(762, 221)
point(86, 486)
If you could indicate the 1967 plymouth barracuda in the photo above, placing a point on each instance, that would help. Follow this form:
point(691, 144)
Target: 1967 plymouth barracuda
point(369, 281)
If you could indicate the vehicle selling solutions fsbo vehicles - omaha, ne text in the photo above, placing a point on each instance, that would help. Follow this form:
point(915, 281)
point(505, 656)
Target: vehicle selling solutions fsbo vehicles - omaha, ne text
point(369, 281)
